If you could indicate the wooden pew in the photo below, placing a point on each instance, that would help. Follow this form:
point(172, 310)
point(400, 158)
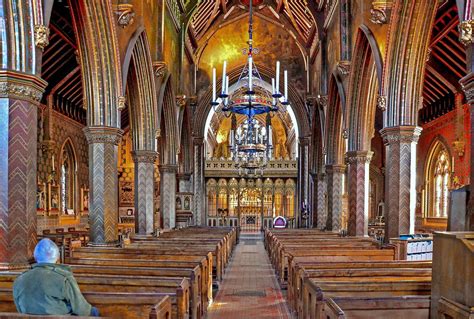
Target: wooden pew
point(178, 289)
point(316, 292)
point(409, 307)
point(110, 304)
point(205, 274)
point(359, 276)
point(303, 270)
point(193, 275)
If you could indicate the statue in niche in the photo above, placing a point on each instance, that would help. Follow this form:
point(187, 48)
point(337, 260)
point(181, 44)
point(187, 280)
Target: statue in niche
point(281, 151)
point(186, 203)
point(222, 150)
point(178, 203)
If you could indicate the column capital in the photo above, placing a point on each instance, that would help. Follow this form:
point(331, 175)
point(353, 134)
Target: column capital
point(359, 157)
point(336, 168)
point(168, 168)
point(467, 84)
point(198, 140)
point(401, 134)
point(304, 140)
point(103, 134)
point(144, 156)
point(21, 86)
point(184, 176)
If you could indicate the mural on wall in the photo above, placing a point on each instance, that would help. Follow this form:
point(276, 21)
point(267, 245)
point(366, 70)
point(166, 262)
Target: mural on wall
point(270, 41)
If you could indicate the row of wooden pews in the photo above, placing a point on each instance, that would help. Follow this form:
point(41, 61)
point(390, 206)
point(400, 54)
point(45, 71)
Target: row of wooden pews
point(328, 276)
point(170, 276)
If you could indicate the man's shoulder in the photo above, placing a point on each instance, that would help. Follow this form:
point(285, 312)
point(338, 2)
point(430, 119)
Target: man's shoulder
point(61, 270)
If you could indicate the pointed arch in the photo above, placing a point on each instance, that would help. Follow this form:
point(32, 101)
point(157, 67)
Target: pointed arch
point(408, 42)
point(68, 186)
point(98, 48)
point(168, 125)
point(139, 83)
point(334, 125)
point(364, 85)
point(437, 177)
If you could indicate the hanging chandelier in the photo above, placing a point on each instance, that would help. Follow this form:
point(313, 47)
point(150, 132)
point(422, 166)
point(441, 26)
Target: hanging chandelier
point(250, 143)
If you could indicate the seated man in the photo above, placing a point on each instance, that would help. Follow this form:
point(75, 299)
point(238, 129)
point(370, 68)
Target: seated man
point(49, 288)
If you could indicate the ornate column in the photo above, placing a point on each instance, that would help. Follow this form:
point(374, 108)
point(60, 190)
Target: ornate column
point(199, 187)
point(303, 178)
point(144, 190)
point(400, 180)
point(103, 180)
point(335, 186)
point(358, 181)
point(20, 94)
point(168, 195)
point(468, 87)
point(321, 201)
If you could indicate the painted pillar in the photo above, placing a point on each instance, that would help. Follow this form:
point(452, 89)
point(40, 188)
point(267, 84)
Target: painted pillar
point(20, 94)
point(144, 190)
point(468, 86)
point(358, 181)
point(199, 187)
point(400, 179)
point(335, 186)
point(168, 195)
point(303, 179)
point(321, 201)
point(103, 181)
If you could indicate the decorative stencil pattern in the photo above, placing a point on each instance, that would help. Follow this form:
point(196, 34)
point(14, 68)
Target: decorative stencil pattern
point(168, 198)
point(18, 130)
point(144, 195)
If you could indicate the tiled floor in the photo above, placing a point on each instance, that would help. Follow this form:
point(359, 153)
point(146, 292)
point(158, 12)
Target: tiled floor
point(249, 289)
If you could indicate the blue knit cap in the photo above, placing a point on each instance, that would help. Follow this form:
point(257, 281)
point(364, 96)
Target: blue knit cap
point(46, 251)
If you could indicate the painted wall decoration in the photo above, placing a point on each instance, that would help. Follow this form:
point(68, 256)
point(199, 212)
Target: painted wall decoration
point(126, 193)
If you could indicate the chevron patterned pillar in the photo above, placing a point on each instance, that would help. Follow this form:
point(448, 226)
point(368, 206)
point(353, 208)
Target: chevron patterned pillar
point(20, 94)
point(198, 182)
point(303, 180)
point(335, 185)
point(103, 183)
point(321, 201)
point(168, 195)
point(144, 190)
point(400, 179)
point(358, 189)
point(468, 86)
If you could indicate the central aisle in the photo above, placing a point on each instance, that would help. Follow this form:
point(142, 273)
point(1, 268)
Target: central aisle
point(250, 289)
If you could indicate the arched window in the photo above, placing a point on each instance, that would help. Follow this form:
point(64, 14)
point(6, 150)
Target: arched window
point(212, 197)
point(438, 177)
point(68, 177)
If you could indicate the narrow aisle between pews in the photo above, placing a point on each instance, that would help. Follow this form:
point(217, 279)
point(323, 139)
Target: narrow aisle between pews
point(250, 288)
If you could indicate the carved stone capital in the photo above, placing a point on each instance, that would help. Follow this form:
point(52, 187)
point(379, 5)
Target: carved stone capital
point(378, 16)
point(168, 168)
point(359, 157)
point(466, 32)
point(21, 86)
point(125, 13)
point(41, 36)
point(467, 84)
point(344, 68)
point(345, 134)
point(144, 156)
point(382, 102)
point(401, 134)
point(335, 168)
point(121, 103)
point(322, 100)
point(181, 101)
point(160, 68)
point(103, 135)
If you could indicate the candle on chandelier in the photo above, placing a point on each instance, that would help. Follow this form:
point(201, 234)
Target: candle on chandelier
point(273, 90)
point(227, 89)
point(224, 70)
point(53, 163)
point(277, 82)
point(250, 73)
point(214, 84)
point(286, 85)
